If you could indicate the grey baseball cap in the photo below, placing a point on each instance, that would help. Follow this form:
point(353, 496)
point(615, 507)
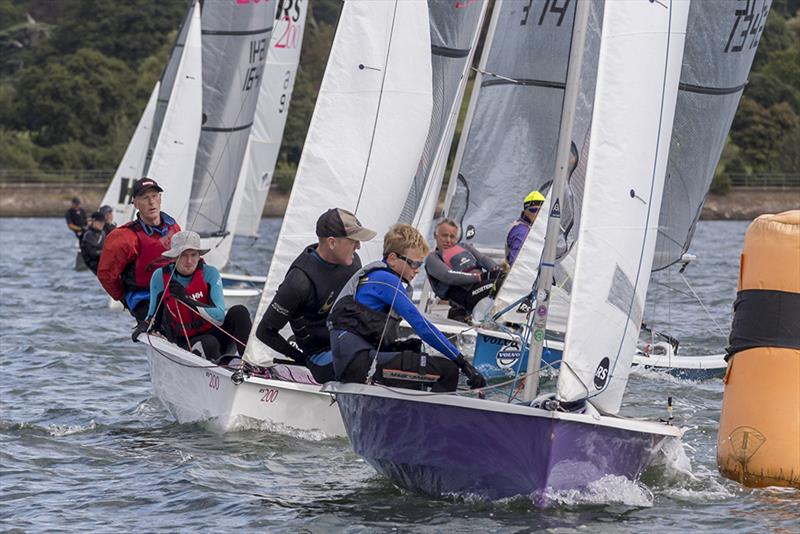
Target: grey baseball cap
point(337, 222)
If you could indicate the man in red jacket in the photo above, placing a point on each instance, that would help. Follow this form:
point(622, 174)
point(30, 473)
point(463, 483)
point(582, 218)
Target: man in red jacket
point(133, 251)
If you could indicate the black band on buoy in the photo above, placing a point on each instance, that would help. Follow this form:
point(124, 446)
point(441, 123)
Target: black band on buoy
point(765, 318)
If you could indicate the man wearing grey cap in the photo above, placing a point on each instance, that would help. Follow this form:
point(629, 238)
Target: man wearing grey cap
point(310, 288)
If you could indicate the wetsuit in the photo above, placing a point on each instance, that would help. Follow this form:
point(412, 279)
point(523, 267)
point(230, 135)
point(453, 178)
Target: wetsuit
point(364, 327)
point(76, 221)
point(452, 277)
point(304, 300)
point(91, 246)
point(196, 330)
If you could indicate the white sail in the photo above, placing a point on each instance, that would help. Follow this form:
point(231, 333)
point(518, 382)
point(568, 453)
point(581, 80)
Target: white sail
point(172, 164)
point(131, 167)
point(637, 83)
point(274, 97)
point(366, 136)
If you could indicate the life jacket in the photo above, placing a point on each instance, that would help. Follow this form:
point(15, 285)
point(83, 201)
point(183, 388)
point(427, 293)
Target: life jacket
point(137, 273)
point(458, 258)
point(309, 328)
point(375, 326)
point(180, 321)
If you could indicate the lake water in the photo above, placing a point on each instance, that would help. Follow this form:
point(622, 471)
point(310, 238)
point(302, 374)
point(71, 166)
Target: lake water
point(85, 445)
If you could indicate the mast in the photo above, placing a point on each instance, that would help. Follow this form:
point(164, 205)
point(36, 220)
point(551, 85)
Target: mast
point(554, 219)
point(473, 101)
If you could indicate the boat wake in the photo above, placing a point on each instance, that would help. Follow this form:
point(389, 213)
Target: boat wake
point(58, 431)
point(611, 489)
point(243, 423)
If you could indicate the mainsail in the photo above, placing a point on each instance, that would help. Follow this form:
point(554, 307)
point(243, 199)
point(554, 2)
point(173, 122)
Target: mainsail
point(236, 37)
point(454, 29)
point(510, 146)
point(639, 64)
point(131, 166)
point(721, 42)
point(173, 155)
point(270, 117)
point(376, 95)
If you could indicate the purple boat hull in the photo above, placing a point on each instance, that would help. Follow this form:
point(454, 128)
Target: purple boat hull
point(438, 449)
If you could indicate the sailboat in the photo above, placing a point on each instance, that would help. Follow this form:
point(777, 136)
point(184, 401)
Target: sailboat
point(230, 129)
point(575, 436)
point(377, 94)
point(712, 80)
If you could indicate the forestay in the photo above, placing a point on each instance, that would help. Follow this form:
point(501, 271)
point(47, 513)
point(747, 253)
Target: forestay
point(173, 156)
point(454, 29)
point(131, 167)
point(367, 133)
point(510, 147)
point(236, 36)
point(721, 41)
point(637, 81)
point(280, 72)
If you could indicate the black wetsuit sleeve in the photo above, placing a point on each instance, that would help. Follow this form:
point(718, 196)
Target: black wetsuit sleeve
point(292, 294)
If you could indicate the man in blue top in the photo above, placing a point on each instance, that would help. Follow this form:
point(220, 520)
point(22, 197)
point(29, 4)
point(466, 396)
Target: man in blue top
point(192, 309)
point(365, 318)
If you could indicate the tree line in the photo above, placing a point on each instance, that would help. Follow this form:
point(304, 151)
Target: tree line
point(75, 76)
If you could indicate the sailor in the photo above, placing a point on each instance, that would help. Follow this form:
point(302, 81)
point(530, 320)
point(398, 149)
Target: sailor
point(76, 218)
point(459, 273)
point(133, 251)
point(92, 241)
point(108, 214)
point(365, 318)
point(187, 295)
point(519, 230)
point(310, 288)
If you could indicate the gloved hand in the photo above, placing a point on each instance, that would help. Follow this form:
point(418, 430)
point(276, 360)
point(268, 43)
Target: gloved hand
point(177, 290)
point(475, 380)
point(141, 327)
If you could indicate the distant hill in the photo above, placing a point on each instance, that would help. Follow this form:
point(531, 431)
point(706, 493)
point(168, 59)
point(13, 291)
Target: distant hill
point(75, 76)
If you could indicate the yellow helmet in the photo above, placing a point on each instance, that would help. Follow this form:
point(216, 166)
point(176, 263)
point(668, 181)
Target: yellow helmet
point(534, 198)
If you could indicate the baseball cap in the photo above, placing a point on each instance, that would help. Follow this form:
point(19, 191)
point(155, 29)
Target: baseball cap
point(337, 222)
point(98, 216)
point(105, 209)
point(143, 184)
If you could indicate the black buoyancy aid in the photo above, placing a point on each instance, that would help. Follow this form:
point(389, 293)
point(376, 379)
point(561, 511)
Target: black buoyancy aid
point(458, 258)
point(136, 275)
point(180, 320)
point(376, 327)
point(309, 328)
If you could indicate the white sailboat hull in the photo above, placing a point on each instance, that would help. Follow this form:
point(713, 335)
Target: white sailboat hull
point(195, 390)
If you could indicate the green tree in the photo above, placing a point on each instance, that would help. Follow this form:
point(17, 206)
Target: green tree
point(78, 99)
point(129, 30)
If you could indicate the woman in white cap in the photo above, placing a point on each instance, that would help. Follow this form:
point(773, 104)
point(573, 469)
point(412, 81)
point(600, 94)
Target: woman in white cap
point(192, 310)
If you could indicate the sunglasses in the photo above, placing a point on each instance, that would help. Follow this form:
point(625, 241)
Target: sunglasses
point(411, 263)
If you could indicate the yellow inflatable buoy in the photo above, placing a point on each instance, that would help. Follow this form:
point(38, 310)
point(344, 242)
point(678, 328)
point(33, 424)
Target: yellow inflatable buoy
point(759, 429)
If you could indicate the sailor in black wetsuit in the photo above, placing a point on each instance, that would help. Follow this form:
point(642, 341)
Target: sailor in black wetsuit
point(308, 291)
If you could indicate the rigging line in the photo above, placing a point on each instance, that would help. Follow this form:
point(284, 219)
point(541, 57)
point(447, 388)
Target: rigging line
point(649, 202)
point(378, 113)
point(719, 328)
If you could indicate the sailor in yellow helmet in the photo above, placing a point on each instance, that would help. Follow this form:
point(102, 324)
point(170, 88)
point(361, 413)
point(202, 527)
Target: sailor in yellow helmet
point(519, 230)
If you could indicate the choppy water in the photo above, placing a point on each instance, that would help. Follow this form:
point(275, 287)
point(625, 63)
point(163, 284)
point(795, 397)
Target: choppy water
point(85, 445)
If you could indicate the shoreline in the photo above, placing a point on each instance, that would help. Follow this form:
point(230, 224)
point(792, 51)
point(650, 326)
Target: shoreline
point(42, 200)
